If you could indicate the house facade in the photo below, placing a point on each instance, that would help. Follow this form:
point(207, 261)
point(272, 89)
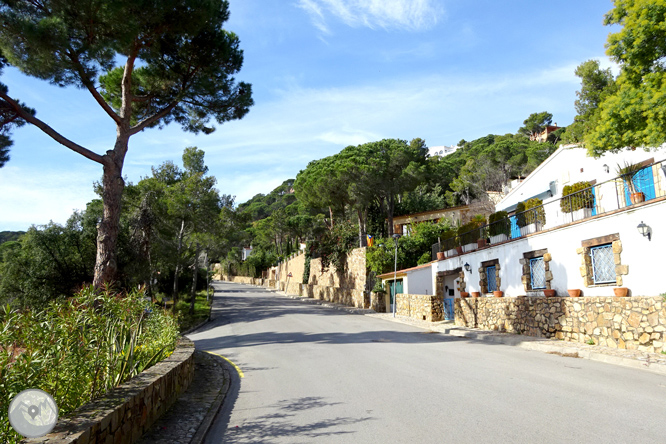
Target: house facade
point(596, 240)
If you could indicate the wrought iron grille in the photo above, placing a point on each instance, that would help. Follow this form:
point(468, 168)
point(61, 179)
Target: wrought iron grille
point(492, 279)
point(603, 265)
point(538, 273)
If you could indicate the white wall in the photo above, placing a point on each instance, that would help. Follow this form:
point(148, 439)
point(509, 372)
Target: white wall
point(564, 166)
point(643, 257)
point(419, 281)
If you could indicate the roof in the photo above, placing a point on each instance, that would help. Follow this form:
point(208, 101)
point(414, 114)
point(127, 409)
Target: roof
point(404, 272)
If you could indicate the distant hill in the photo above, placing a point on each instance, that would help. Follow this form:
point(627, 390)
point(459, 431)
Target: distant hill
point(6, 236)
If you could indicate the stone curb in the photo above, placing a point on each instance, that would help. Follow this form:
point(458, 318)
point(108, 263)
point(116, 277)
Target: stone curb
point(207, 422)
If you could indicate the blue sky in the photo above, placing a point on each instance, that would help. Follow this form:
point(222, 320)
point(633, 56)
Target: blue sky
point(327, 74)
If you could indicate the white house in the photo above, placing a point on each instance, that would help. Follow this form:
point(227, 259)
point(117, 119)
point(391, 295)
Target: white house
point(611, 243)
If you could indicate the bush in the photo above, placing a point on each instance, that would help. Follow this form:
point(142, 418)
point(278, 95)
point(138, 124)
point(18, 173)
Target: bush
point(580, 196)
point(77, 349)
point(472, 230)
point(525, 217)
point(499, 224)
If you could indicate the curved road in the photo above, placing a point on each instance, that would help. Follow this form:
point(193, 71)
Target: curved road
point(316, 374)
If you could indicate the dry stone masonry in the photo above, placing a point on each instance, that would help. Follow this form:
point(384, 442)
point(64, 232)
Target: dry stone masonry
point(420, 307)
point(635, 323)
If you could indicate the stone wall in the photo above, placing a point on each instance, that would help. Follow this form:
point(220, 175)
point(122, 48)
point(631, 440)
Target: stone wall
point(353, 277)
point(421, 307)
point(295, 265)
point(632, 323)
point(127, 411)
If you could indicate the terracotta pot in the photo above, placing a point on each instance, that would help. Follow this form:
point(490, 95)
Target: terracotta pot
point(476, 294)
point(441, 256)
point(574, 293)
point(498, 294)
point(480, 243)
point(550, 293)
point(464, 294)
point(459, 250)
point(620, 292)
point(637, 197)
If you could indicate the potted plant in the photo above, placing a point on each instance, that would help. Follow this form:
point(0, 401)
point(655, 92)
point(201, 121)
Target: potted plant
point(449, 242)
point(577, 199)
point(467, 236)
point(476, 294)
point(530, 216)
point(549, 293)
point(499, 228)
point(464, 294)
point(498, 294)
point(620, 292)
point(441, 256)
point(628, 172)
point(574, 292)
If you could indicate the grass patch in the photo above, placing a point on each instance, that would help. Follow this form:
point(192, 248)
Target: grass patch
point(201, 311)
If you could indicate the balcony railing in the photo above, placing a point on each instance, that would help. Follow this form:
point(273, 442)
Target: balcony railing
point(601, 198)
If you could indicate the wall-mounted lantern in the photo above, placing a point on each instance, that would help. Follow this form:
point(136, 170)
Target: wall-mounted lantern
point(468, 267)
point(645, 230)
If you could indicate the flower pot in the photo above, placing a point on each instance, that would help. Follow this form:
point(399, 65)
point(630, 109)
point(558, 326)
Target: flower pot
point(476, 294)
point(441, 256)
point(574, 293)
point(637, 197)
point(498, 238)
point(459, 250)
point(549, 293)
point(481, 243)
point(582, 213)
point(498, 294)
point(620, 292)
point(464, 294)
point(469, 247)
point(452, 252)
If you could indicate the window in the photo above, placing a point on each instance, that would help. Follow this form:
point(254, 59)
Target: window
point(603, 265)
point(537, 273)
point(492, 279)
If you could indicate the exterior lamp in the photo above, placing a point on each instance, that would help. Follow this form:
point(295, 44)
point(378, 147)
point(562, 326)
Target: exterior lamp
point(395, 274)
point(468, 268)
point(644, 230)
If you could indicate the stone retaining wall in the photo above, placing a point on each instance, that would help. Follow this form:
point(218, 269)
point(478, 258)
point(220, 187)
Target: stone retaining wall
point(126, 412)
point(633, 323)
point(420, 306)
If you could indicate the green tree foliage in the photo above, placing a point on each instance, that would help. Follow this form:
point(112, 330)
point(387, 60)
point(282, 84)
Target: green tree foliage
point(146, 64)
point(632, 115)
point(536, 123)
point(596, 85)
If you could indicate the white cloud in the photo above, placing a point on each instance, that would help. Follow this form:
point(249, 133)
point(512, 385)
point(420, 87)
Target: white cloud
point(410, 15)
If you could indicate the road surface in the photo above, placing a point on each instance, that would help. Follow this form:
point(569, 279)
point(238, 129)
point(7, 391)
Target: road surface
point(318, 375)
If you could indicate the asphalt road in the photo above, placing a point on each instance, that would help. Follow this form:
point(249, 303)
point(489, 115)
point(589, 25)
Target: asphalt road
point(316, 374)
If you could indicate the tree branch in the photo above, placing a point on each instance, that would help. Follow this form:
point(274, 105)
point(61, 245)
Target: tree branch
point(91, 88)
point(153, 119)
point(85, 152)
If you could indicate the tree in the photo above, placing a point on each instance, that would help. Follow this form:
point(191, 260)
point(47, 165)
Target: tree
point(596, 85)
point(633, 115)
point(9, 119)
point(178, 67)
point(535, 124)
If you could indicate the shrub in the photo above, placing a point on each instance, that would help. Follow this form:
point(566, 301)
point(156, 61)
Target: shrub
point(525, 217)
point(499, 224)
point(472, 230)
point(579, 196)
point(77, 349)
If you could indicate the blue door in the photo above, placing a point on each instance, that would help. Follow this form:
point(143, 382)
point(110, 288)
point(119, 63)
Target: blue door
point(448, 309)
point(515, 229)
point(644, 182)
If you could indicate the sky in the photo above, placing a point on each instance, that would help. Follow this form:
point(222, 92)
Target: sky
point(326, 74)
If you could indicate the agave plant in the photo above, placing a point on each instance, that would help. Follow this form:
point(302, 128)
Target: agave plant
point(628, 172)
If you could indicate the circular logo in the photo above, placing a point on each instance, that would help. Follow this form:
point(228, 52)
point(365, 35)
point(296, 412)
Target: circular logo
point(33, 413)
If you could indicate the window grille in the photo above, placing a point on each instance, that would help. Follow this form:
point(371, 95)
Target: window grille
point(538, 273)
point(603, 265)
point(492, 279)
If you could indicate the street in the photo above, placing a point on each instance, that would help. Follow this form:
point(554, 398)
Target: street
point(316, 374)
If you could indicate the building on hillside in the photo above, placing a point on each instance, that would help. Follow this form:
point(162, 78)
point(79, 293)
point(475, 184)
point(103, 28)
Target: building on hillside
point(601, 239)
point(442, 151)
point(543, 135)
point(455, 215)
point(247, 251)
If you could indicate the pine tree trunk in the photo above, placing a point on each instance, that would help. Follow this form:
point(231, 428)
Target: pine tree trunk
point(177, 272)
point(362, 234)
point(390, 206)
point(106, 264)
point(195, 269)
